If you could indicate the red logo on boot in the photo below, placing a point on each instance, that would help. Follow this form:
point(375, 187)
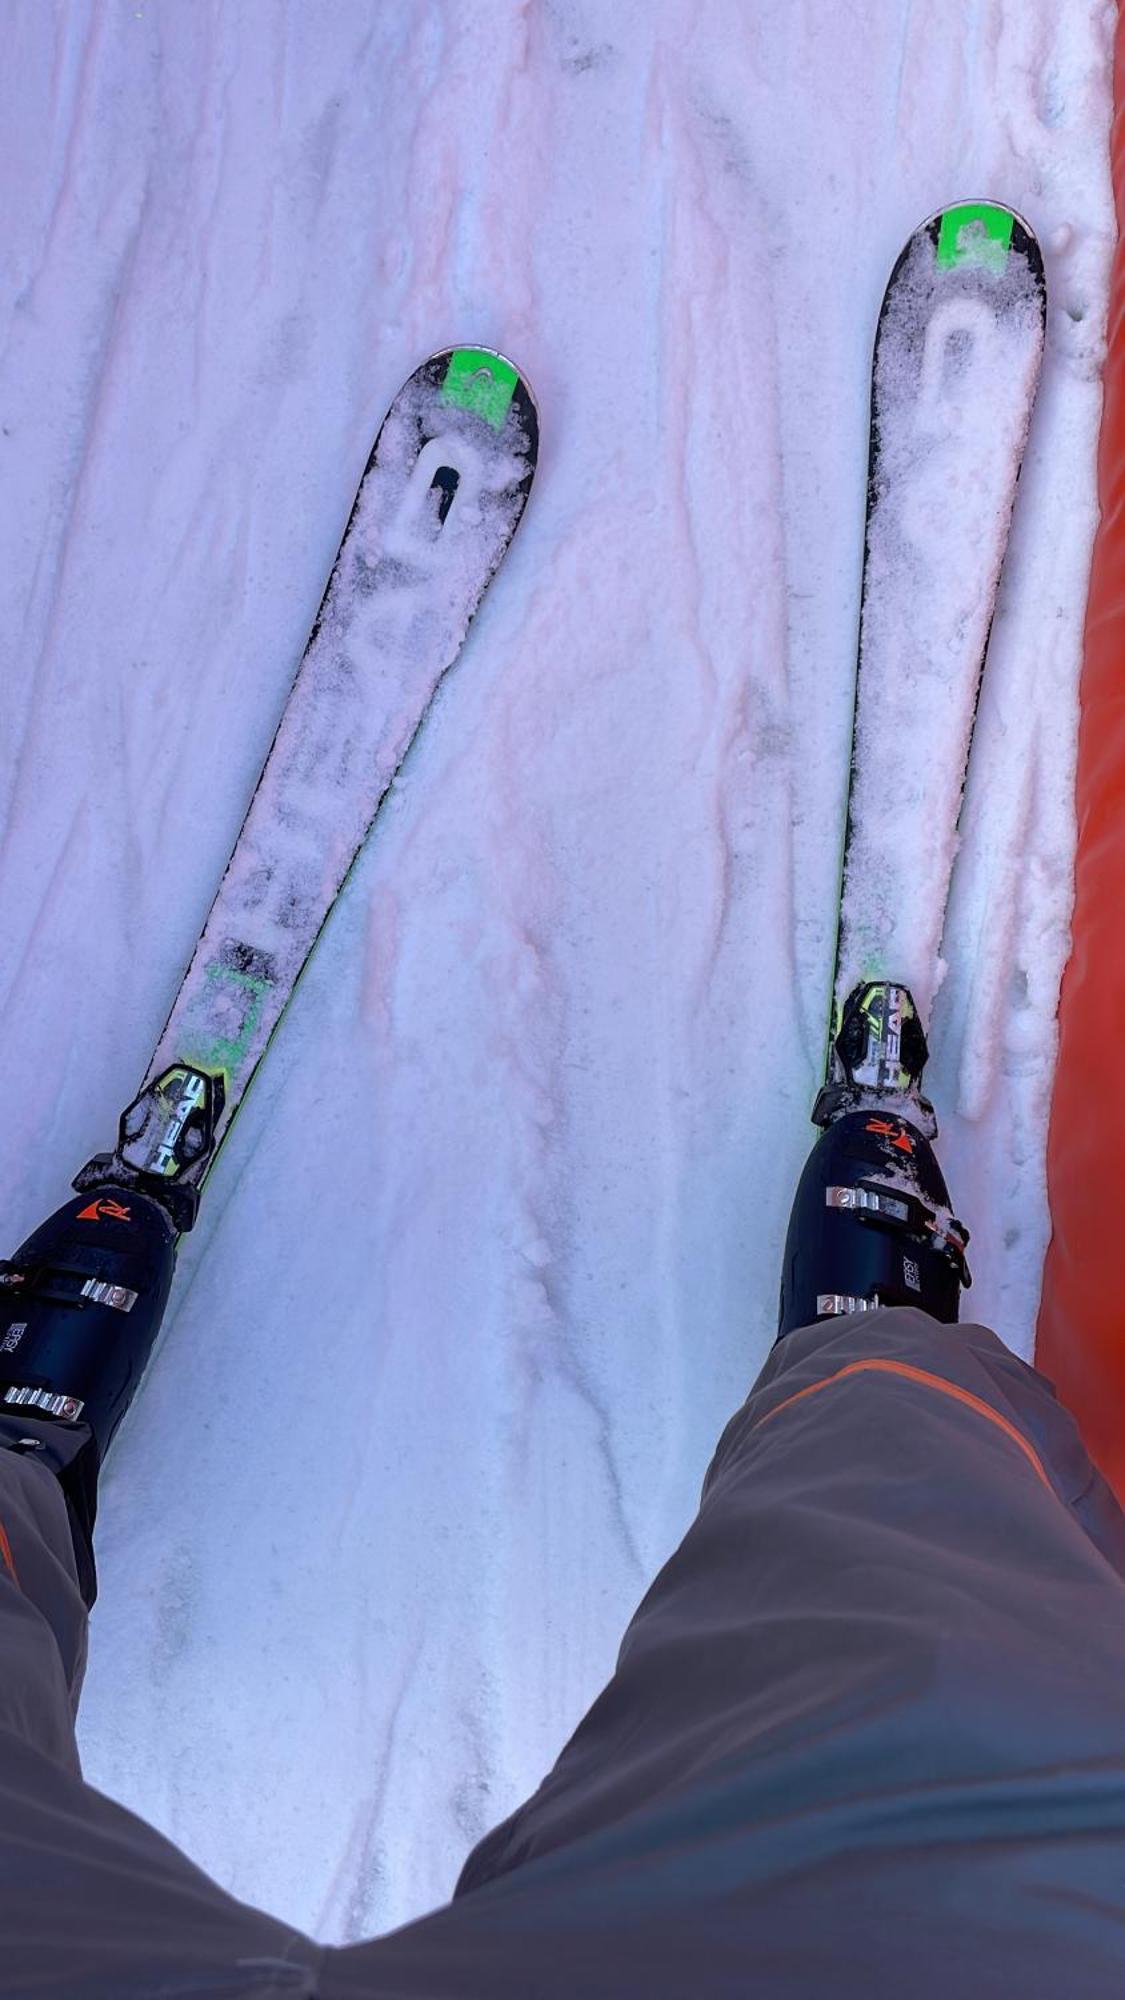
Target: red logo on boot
point(895, 1134)
point(113, 1211)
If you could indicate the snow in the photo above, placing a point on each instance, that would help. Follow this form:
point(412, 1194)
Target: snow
point(493, 1253)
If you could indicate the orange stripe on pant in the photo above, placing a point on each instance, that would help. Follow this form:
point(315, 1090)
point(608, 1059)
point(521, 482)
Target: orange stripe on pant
point(6, 1554)
point(929, 1382)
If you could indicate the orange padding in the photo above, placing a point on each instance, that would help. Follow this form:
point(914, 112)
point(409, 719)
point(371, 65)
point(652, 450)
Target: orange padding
point(1080, 1340)
point(928, 1381)
point(6, 1556)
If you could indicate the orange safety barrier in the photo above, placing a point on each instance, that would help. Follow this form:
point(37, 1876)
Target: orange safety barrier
point(1080, 1339)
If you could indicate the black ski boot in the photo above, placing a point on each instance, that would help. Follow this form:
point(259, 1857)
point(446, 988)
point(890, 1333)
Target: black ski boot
point(80, 1306)
point(82, 1300)
point(871, 1223)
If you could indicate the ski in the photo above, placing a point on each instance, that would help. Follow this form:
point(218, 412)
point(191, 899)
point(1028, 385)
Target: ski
point(443, 491)
point(436, 509)
point(956, 364)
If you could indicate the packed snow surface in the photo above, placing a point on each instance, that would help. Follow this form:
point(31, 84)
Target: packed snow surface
point(493, 1252)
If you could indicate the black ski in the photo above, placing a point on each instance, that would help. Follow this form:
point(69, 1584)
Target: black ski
point(440, 499)
point(955, 370)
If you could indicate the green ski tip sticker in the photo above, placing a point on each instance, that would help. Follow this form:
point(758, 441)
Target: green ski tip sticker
point(978, 232)
point(480, 381)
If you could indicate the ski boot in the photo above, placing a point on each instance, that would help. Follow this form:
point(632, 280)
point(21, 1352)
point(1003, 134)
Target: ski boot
point(80, 1306)
point(871, 1223)
point(82, 1300)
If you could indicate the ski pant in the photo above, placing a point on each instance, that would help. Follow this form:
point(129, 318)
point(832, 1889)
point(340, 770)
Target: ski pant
point(866, 1734)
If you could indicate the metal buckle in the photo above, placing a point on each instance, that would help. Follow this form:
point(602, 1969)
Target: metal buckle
point(866, 1198)
point(52, 1405)
point(831, 1303)
point(118, 1296)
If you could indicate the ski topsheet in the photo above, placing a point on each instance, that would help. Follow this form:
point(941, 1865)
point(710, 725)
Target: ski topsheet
point(438, 504)
point(955, 370)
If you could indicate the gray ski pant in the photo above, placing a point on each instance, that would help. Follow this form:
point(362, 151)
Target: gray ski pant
point(866, 1735)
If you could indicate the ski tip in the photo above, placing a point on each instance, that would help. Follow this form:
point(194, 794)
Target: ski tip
point(979, 237)
point(979, 217)
point(978, 232)
point(481, 379)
